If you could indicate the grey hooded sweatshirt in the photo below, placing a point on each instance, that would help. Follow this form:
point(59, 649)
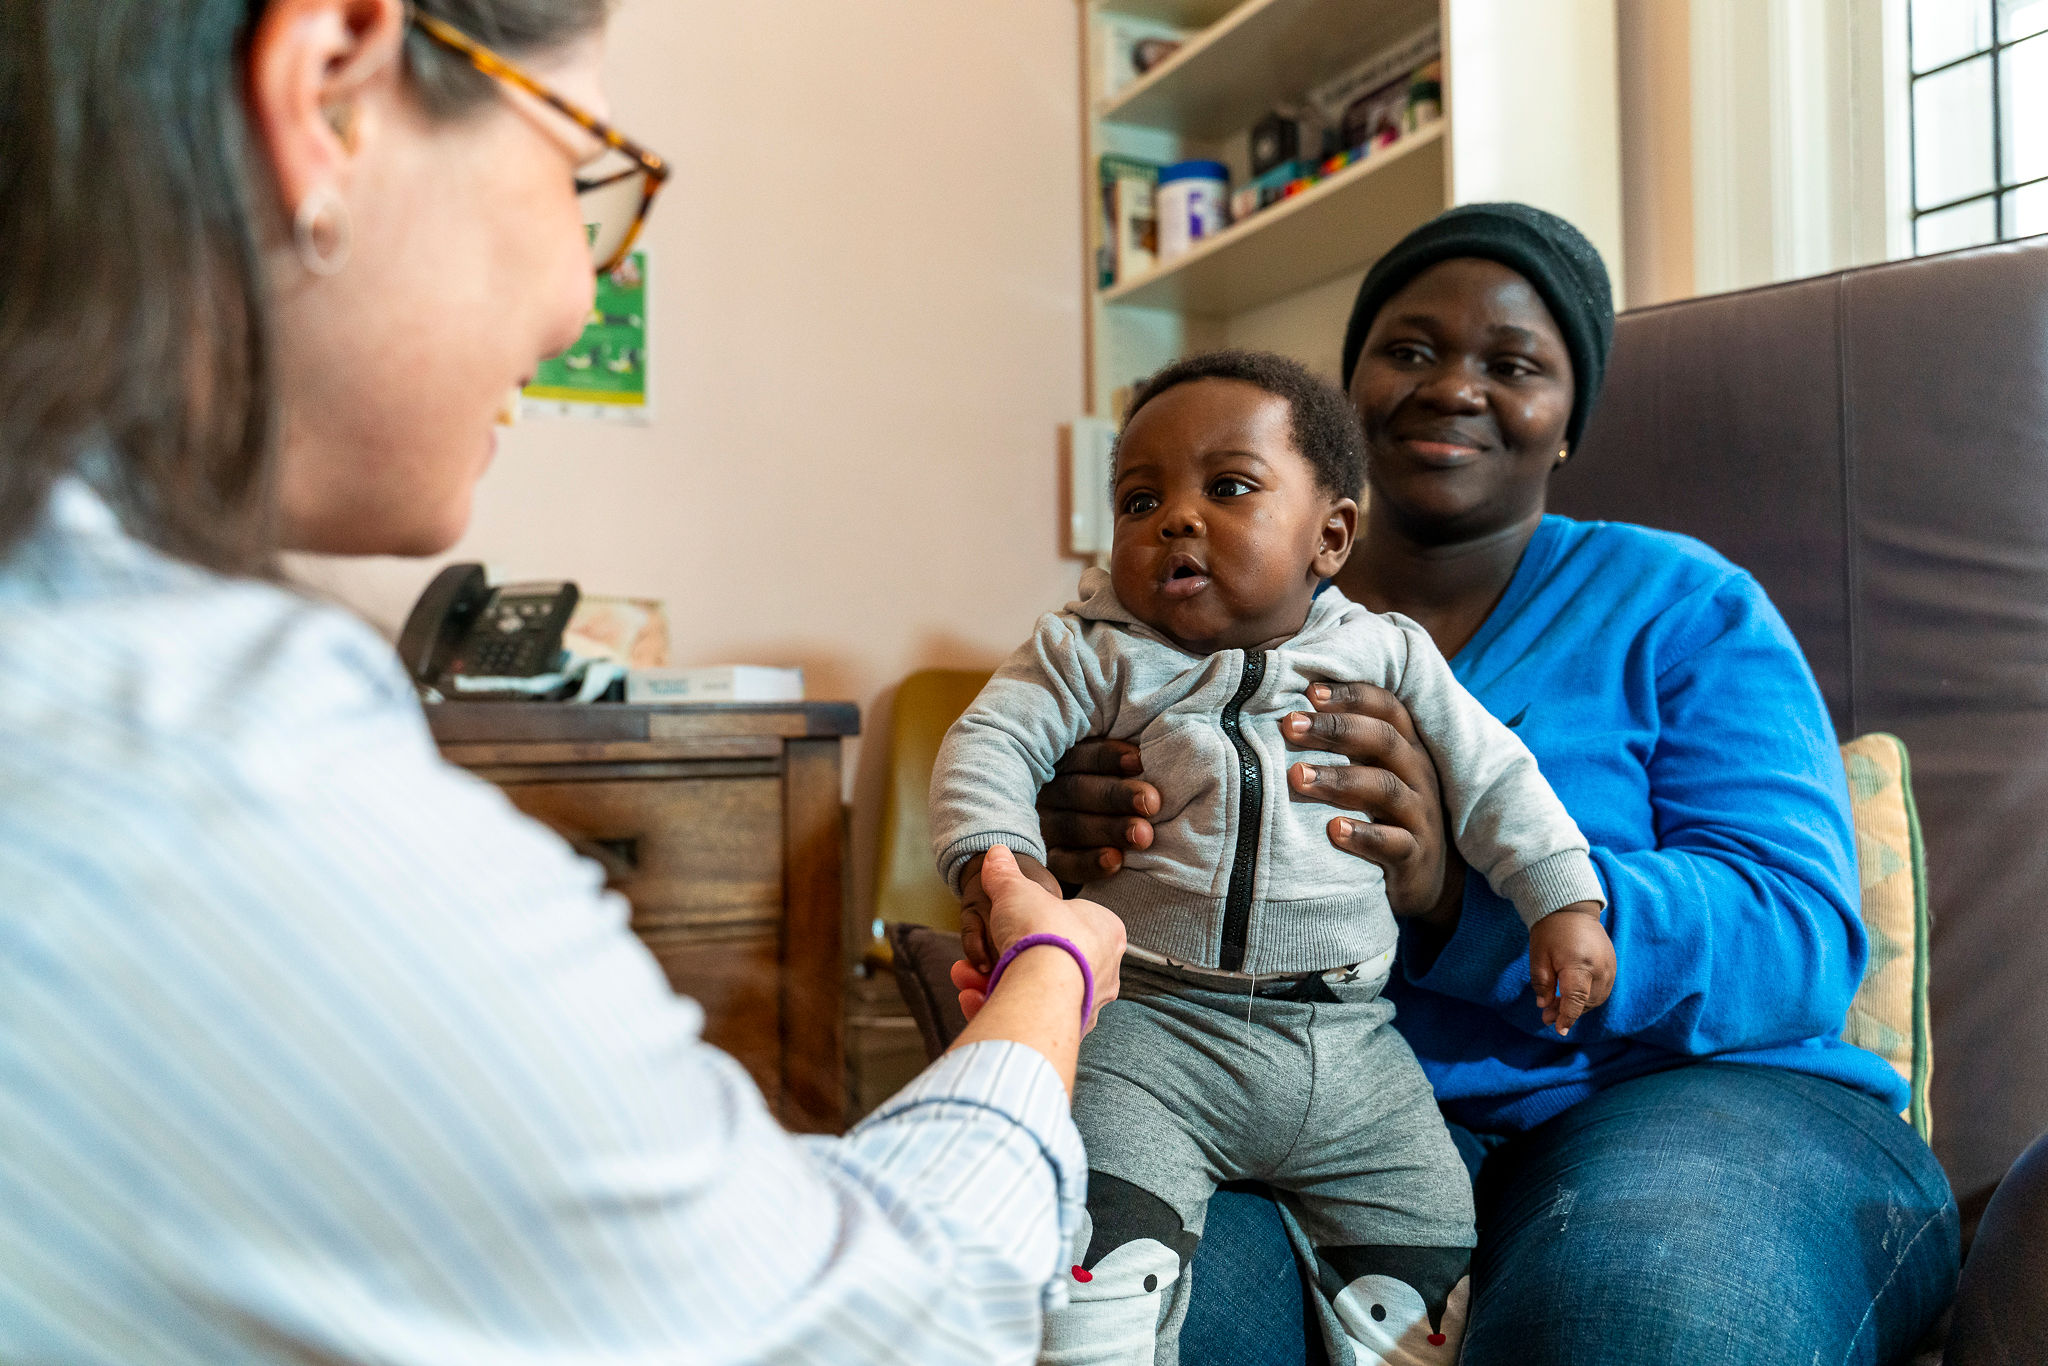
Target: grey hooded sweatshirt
point(1241, 875)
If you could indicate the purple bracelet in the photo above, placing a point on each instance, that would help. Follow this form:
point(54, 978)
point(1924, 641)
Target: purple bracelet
point(1032, 941)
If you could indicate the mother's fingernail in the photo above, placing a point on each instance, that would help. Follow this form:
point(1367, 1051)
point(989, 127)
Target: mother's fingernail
point(1305, 774)
point(1295, 724)
point(1319, 692)
point(1343, 829)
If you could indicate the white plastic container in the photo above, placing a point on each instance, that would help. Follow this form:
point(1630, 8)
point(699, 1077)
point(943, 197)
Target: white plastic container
point(1193, 202)
point(714, 683)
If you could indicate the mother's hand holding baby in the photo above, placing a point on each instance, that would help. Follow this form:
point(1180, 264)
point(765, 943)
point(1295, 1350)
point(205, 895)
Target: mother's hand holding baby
point(1098, 803)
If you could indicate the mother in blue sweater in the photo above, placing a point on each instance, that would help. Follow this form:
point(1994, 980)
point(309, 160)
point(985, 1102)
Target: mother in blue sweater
point(1703, 1172)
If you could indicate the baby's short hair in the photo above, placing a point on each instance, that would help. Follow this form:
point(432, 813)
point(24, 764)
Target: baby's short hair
point(1324, 426)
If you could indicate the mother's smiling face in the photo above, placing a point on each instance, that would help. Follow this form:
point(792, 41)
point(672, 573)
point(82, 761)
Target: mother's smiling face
point(1465, 388)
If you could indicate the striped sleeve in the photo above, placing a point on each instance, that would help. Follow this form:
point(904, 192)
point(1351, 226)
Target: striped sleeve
point(313, 1049)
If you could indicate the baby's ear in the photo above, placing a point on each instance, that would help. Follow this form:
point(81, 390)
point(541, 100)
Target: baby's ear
point(1334, 539)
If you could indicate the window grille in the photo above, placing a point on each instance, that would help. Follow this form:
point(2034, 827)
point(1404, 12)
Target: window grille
point(1979, 121)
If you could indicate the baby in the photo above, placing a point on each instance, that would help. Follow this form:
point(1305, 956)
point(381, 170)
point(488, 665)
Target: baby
point(1250, 1040)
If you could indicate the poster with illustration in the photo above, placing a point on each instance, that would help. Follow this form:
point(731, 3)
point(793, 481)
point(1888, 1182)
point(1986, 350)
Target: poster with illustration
point(604, 375)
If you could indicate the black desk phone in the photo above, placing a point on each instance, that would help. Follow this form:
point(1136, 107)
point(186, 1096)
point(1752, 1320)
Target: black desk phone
point(463, 627)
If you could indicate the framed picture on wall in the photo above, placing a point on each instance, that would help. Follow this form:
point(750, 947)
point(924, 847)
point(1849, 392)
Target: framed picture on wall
point(605, 374)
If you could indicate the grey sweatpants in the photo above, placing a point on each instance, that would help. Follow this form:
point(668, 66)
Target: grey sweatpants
point(1319, 1097)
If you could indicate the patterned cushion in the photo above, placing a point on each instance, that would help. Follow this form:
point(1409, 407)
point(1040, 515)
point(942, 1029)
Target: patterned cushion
point(1889, 1014)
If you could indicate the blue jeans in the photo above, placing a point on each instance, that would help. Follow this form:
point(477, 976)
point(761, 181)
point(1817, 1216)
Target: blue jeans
point(1713, 1215)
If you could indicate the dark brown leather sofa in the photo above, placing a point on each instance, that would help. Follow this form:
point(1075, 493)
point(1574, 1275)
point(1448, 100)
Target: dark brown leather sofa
point(1873, 446)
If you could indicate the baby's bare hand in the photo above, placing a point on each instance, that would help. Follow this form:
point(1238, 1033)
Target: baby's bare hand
point(974, 931)
point(1017, 909)
point(976, 909)
point(1571, 964)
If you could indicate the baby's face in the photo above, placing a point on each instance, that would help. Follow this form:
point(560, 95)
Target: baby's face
point(1221, 530)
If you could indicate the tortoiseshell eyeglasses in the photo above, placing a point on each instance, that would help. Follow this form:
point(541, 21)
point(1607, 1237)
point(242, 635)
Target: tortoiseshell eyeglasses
point(616, 191)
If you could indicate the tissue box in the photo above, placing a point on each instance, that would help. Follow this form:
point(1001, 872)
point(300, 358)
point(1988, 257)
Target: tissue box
point(715, 683)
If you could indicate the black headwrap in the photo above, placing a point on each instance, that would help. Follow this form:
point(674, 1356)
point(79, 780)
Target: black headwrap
point(1551, 254)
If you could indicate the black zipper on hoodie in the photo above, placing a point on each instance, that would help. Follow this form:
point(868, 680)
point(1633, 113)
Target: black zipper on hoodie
point(1237, 906)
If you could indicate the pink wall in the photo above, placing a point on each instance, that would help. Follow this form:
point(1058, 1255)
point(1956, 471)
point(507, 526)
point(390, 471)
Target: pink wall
point(867, 317)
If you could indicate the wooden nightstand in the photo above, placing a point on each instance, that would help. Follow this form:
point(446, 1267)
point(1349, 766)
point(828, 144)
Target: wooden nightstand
point(721, 825)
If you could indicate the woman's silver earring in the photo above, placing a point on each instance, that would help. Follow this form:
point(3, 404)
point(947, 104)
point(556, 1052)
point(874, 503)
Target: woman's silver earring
point(323, 233)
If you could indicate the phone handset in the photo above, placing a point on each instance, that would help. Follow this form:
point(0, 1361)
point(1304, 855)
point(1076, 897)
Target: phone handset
point(439, 620)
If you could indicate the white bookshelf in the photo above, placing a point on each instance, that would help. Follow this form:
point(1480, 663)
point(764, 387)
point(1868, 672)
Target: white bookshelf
point(1228, 75)
point(1179, 13)
point(1530, 113)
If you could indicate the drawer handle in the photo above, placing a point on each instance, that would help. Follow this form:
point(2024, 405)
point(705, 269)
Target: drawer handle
point(620, 858)
point(626, 851)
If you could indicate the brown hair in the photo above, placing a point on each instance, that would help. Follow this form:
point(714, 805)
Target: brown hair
point(133, 319)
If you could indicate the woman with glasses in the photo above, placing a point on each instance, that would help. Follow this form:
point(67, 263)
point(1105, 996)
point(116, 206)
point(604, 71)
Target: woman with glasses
point(312, 1049)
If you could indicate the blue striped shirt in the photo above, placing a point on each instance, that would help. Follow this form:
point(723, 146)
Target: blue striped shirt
point(313, 1049)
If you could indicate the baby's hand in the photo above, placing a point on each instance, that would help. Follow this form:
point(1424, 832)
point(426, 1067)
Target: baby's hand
point(1571, 964)
point(974, 907)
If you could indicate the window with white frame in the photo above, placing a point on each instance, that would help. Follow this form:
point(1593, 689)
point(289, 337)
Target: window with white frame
point(1979, 106)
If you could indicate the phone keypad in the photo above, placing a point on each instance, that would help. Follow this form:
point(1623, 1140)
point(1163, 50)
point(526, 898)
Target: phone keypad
point(502, 659)
point(512, 641)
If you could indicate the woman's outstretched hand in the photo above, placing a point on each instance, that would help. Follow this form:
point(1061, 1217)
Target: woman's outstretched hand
point(975, 940)
point(1096, 807)
point(1391, 781)
point(1019, 906)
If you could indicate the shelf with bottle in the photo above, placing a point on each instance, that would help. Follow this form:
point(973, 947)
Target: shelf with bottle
point(1337, 224)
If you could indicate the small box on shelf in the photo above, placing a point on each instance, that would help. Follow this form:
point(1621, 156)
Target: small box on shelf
point(1128, 46)
point(1130, 222)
